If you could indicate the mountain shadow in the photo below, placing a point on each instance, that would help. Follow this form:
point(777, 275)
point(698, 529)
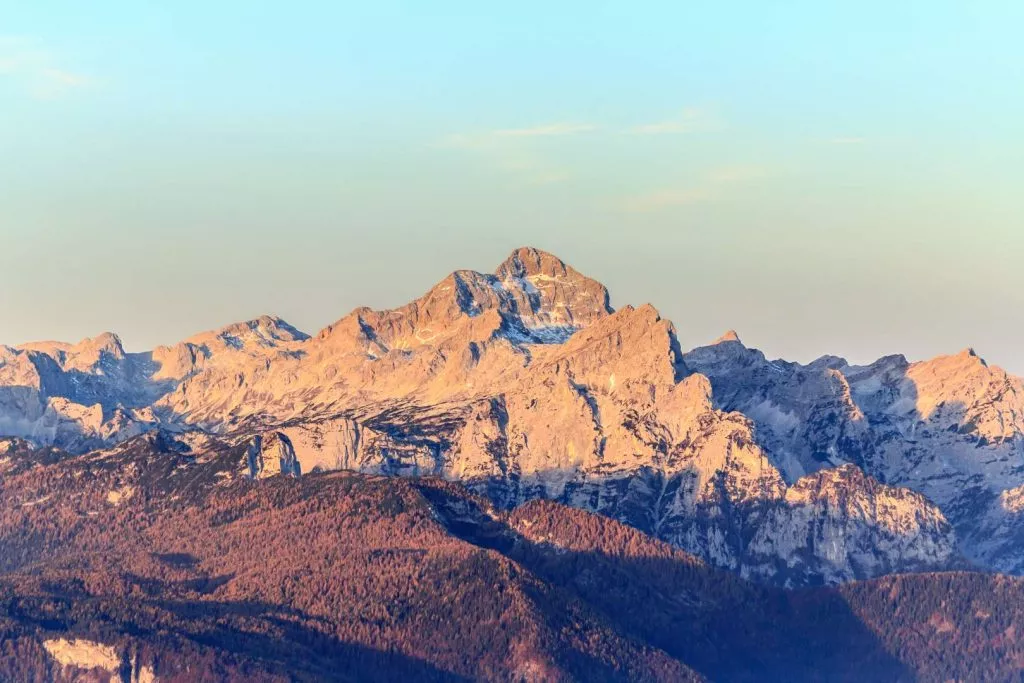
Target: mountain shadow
point(719, 625)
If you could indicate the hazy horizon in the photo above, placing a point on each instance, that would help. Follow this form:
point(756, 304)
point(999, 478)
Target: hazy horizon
point(824, 180)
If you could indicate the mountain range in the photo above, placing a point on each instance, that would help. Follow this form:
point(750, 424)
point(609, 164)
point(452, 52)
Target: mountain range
point(526, 384)
point(504, 409)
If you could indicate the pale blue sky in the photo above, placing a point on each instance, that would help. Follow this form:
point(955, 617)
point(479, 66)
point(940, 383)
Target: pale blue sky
point(825, 177)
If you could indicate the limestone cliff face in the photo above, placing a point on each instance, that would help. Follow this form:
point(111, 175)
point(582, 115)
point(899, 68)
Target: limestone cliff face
point(951, 428)
point(698, 480)
point(841, 524)
point(527, 384)
point(79, 396)
point(269, 455)
point(608, 422)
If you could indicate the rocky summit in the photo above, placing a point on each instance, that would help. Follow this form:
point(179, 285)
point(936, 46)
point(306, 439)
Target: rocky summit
point(525, 385)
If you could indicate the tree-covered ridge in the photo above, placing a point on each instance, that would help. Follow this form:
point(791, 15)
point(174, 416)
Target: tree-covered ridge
point(345, 576)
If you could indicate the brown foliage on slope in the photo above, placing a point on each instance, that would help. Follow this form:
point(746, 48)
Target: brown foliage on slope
point(353, 577)
point(333, 577)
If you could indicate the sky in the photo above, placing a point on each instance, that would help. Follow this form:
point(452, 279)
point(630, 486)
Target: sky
point(837, 177)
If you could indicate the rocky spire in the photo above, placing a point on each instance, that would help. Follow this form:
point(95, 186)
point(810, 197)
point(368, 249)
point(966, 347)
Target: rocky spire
point(729, 336)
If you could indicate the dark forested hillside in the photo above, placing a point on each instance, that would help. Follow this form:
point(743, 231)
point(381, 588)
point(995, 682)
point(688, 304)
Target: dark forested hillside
point(108, 573)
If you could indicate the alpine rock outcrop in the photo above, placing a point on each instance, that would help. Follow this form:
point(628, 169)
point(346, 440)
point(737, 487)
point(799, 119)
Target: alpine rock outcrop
point(526, 384)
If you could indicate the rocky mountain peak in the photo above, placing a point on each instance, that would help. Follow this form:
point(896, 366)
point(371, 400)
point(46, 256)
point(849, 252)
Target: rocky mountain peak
point(108, 341)
point(88, 351)
point(830, 362)
point(266, 330)
point(532, 298)
point(546, 292)
point(729, 336)
point(49, 347)
point(970, 353)
point(967, 360)
point(527, 261)
point(273, 326)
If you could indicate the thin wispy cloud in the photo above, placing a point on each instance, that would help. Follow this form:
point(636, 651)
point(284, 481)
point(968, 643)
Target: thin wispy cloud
point(527, 151)
point(525, 163)
point(37, 69)
point(666, 198)
point(712, 186)
point(492, 137)
point(691, 120)
point(548, 130)
point(517, 150)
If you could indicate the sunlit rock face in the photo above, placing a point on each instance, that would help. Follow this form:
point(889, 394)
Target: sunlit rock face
point(85, 660)
point(950, 428)
point(527, 384)
point(269, 455)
